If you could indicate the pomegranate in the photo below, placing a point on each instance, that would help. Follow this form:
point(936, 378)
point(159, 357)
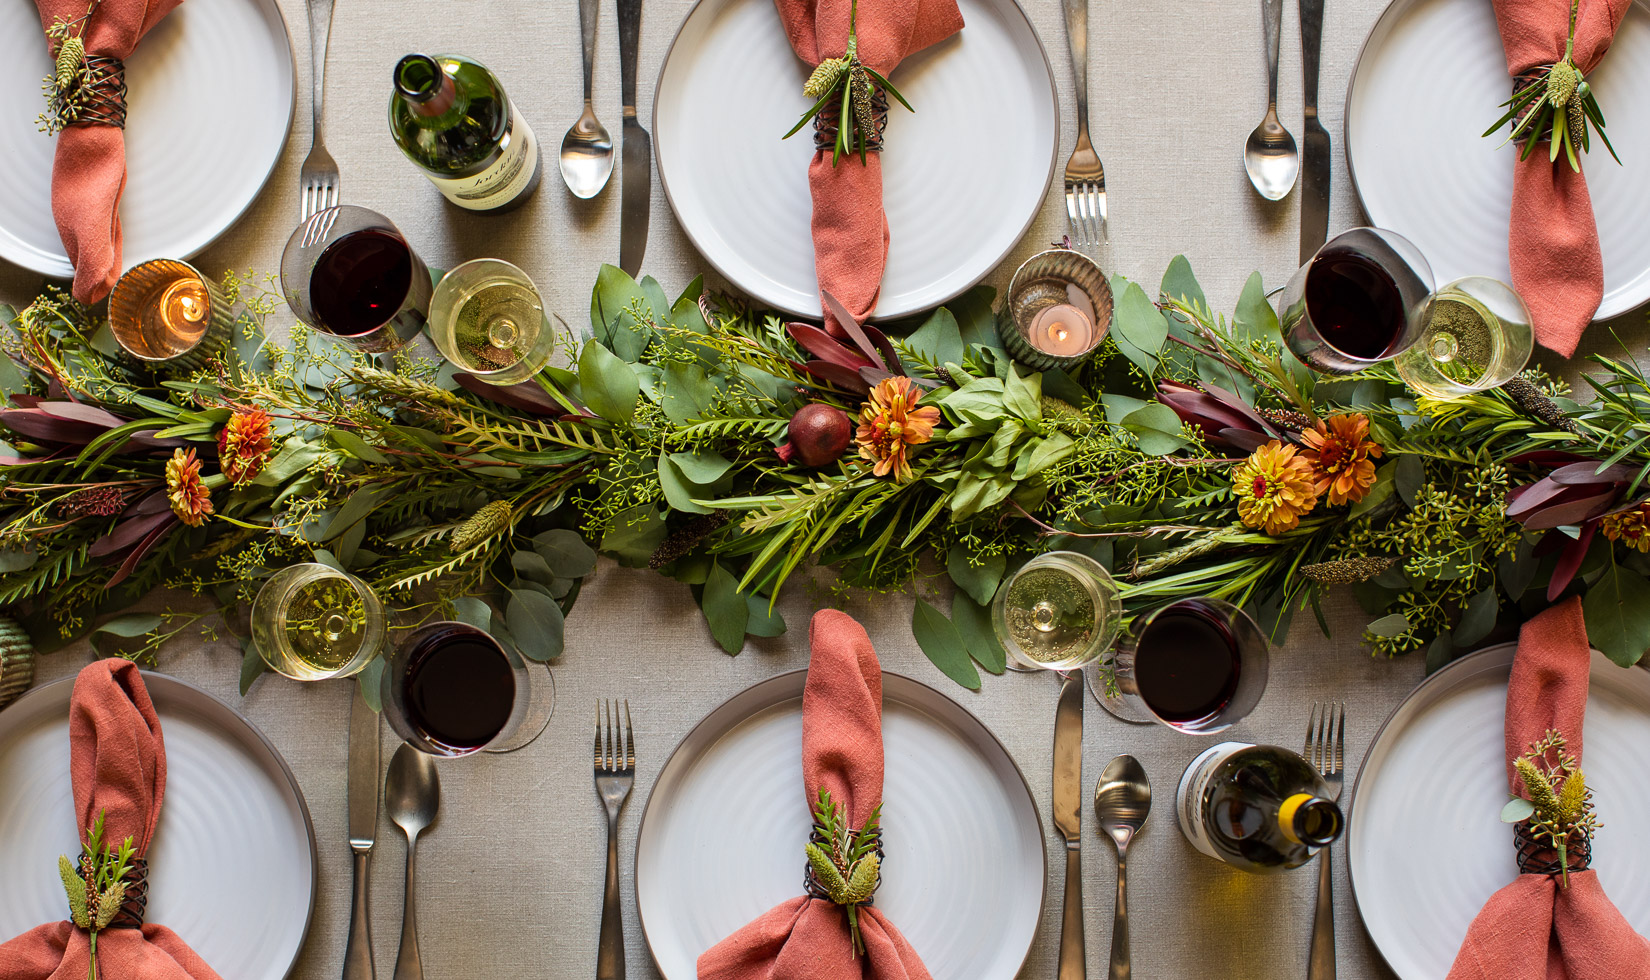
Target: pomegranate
point(817, 436)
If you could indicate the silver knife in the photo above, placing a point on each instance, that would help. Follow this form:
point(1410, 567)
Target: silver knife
point(1068, 820)
point(364, 779)
point(636, 160)
point(1315, 168)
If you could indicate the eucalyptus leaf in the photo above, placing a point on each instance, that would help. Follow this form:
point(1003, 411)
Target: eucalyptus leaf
point(566, 552)
point(1394, 624)
point(1409, 476)
point(679, 491)
point(353, 444)
point(940, 640)
point(1180, 284)
point(253, 665)
point(370, 681)
point(973, 623)
point(1477, 618)
point(609, 384)
point(130, 624)
point(688, 393)
point(1119, 407)
point(324, 557)
point(537, 624)
point(531, 565)
point(939, 340)
point(726, 609)
point(1438, 652)
point(473, 612)
point(1139, 320)
point(975, 319)
point(761, 622)
point(358, 507)
point(1517, 810)
point(1157, 427)
point(977, 580)
point(701, 469)
point(17, 559)
point(1617, 612)
point(634, 535)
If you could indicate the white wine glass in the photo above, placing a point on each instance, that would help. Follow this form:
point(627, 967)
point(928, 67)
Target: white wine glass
point(312, 622)
point(487, 318)
point(1060, 611)
point(1477, 337)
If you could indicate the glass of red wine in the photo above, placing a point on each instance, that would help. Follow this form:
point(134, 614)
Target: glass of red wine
point(348, 272)
point(451, 689)
point(1364, 298)
point(1196, 665)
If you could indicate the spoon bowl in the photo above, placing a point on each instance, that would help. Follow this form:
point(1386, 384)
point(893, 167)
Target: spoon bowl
point(587, 155)
point(412, 795)
point(1122, 800)
point(1271, 158)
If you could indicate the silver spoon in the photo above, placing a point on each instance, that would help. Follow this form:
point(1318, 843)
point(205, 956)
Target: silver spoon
point(412, 795)
point(1270, 155)
point(587, 150)
point(1122, 799)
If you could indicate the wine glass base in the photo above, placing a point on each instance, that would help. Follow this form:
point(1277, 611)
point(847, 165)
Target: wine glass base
point(1117, 707)
point(540, 707)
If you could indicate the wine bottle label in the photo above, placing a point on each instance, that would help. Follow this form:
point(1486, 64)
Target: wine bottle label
point(1189, 798)
point(505, 179)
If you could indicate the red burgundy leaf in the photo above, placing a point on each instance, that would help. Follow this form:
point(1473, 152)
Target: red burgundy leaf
point(76, 412)
point(890, 356)
point(1573, 511)
point(846, 321)
point(843, 377)
point(32, 423)
point(138, 554)
point(129, 532)
point(1569, 560)
point(154, 503)
point(528, 396)
point(1580, 474)
point(823, 346)
point(1546, 457)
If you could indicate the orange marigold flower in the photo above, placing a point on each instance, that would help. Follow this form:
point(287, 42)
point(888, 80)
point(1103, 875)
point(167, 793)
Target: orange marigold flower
point(244, 445)
point(891, 421)
point(1274, 487)
point(1631, 526)
point(190, 499)
point(1339, 453)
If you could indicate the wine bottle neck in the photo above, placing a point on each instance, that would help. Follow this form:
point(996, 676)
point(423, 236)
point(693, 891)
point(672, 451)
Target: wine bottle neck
point(1310, 820)
point(426, 89)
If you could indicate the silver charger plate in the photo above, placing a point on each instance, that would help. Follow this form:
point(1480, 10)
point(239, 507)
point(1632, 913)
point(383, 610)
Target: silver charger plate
point(232, 868)
point(1426, 847)
point(721, 839)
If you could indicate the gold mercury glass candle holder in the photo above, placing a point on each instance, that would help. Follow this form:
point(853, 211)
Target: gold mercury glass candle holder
point(1060, 308)
point(167, 315)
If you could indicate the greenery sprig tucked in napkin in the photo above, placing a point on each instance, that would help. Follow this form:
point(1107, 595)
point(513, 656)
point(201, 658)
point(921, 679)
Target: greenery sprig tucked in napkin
point(727, 449)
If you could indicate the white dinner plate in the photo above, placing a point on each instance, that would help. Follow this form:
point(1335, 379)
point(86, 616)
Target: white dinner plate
point(210, 101)
point(1426, 844)
point(721, 840)
point(232, 863)
point(963, 176)
point(1429, 80)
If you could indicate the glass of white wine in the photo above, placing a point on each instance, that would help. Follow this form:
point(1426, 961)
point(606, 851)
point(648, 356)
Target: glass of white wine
point(313, 622)
point(1060, 611)
point(1478, 337)
point(487, 318)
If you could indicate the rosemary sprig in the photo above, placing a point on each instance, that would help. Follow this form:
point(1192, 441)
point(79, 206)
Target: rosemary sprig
point(852, 83)
point(1558, 106)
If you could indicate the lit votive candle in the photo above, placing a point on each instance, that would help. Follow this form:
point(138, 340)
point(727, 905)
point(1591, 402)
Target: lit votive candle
point(164, 312)
point(1060, 310)
point(1065, 329)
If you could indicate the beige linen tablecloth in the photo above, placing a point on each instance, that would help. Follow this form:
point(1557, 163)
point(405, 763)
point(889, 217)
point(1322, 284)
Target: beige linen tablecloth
point(1176, 87)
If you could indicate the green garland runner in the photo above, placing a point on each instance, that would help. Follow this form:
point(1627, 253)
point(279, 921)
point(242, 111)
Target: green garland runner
point(658, 446)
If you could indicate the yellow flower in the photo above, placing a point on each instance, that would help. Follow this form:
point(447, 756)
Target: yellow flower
point(891, 421)
point(1339, 454)
point(1631, 526)
point(244, 445)
point(1274, 487)
point(190, 499)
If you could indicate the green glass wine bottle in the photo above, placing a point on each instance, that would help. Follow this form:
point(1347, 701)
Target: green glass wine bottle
point(450, 116)
point(1260, 808)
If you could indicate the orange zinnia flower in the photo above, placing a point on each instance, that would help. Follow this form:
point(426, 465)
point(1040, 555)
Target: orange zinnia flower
point(190, 499)
point(1339, 453)
point(891, 421)
point(1274, 487)
point(244, 444)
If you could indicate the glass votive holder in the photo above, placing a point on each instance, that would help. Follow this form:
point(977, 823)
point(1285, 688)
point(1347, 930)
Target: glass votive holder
point(165, 314)
point(487, 318)
point(313, 622)
point(1060, 307)
point(1477, 336)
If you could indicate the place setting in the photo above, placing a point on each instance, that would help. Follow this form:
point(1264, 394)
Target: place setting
point(942, 489)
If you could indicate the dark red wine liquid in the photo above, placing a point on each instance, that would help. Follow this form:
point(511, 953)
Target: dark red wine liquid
point(1354, 303)
point(359, 282)
point(459, 689)
point(1188, 664)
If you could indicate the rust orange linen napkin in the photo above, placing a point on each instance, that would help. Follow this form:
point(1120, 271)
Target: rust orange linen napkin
point(118, 763)
point(89, 171)
point(1532, 929)
point(849, 226)
point(1553, 247)
point(807, 938)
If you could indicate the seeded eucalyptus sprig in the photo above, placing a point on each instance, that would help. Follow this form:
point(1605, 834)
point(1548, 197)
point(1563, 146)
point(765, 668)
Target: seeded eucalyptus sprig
point(96, 886)
point(846, 865)
point(854, 84)
point(1559, 106)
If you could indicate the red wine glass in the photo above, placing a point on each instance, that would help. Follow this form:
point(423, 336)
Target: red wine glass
point(1364, 298)
point(349, 273)
point(1197, 666)
point(451, 689)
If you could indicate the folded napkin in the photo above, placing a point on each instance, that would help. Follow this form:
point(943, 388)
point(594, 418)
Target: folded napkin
point(807, 938)
point(1556, 264)
point(1533, 929)
point(89, 172)
point(118, 762)
point(849, 226)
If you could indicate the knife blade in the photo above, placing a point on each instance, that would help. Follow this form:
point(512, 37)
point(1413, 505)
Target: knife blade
point(1068, 820)
point(636, 153)
point(364, 778)
point(1315, 165)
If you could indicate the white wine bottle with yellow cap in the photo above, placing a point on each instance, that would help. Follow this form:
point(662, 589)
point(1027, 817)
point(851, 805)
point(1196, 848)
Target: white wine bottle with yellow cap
point(1257, 807)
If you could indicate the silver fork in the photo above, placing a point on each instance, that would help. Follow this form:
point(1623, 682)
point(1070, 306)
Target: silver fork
point(1085, 177)
point(615, 774)
point(318, 178)
point(1326, 751)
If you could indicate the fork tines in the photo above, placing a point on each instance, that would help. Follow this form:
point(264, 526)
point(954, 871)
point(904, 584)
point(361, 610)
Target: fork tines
point(1326, 736)
point(615, 747)
point(1086, 212)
